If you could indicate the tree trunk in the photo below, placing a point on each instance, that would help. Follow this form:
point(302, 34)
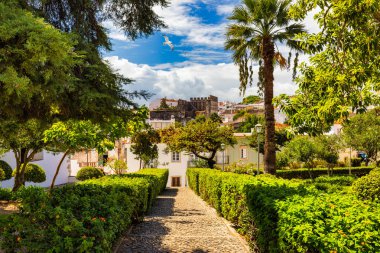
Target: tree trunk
point(270, 142)
point(211, 163)
point(20, 169)
point(57, 170)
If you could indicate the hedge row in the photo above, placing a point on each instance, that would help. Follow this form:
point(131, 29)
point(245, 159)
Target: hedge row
point(316, 172)
point(85, 217)
point(278, 215)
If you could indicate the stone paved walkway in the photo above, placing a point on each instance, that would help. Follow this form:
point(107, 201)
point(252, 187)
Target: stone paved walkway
point(182, 222)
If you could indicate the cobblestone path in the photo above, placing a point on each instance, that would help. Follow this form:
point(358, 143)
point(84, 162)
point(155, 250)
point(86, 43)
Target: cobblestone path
point(182, 222)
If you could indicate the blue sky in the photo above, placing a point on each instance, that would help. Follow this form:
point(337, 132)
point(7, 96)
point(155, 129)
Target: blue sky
point(199, 66)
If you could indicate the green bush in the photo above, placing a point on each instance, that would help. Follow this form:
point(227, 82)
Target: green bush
point(257, 206)
point(328, 223)
point(85, 217)
point(356, 162)
point(7, 169)
point(2, 174)
point(305, 173)
point(86, 173)
point(368, 187)
point(33, 173)
point(332, 183)
point(5, 194)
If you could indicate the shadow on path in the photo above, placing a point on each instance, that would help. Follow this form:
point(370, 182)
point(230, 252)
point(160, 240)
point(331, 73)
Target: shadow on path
point(180, 222)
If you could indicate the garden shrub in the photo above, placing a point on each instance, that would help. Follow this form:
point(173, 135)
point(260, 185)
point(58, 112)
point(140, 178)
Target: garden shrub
point(328, 223)
point(5, 194)
point(33, 173)
point(258, 206)
point(2, 174)
point(305, 173)
point(368, 187)
point(84, 217)
point(332, 183)
point(7, 169)
point(86, 173)
point(356, 162)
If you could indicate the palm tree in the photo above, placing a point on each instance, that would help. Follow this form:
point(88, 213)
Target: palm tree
point(258, 26)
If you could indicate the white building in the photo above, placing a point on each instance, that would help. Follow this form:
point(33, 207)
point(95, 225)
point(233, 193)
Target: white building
point(48, 161)
point(176, 163)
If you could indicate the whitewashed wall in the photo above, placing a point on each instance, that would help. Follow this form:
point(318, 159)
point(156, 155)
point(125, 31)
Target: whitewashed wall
point(176, 169)
point(49, 163)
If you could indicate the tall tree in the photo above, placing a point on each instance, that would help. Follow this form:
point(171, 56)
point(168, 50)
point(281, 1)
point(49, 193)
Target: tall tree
point(201, 137)
point(362, 132)
point(145, 145)
point(259, 25)
point(342, 76)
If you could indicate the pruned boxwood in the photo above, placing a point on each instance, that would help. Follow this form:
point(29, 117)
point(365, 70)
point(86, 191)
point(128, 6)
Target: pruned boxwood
point(7, 169)
point(86, 173)
point(33, 173)
point(368, 187)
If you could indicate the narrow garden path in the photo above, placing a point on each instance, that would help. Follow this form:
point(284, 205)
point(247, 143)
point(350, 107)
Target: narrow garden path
point(182, 222)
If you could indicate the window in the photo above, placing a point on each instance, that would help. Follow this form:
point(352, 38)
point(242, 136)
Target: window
point(243, 153)
point(175, 157)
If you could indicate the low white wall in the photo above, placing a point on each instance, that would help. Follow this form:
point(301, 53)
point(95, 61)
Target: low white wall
point(49, 164)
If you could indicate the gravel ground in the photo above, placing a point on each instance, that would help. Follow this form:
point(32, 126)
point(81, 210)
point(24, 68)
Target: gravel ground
point(182, 222)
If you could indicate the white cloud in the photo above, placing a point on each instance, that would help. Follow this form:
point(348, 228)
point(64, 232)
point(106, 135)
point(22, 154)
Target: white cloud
point(180, 22)
point(194, 80)
point(225, 9)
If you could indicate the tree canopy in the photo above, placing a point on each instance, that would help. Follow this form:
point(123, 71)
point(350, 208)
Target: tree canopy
point(258, 26)
point(145, 145)
point(362, 132)
point(201, 137)
point(343, 73)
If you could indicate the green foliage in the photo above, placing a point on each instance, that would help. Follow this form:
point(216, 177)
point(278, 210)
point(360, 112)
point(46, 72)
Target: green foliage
point(86, 173)
point(251, 99)
point(332, 184)
point(145, 145)
point(118, 166)
point(368, 187)
point(7, 169)
point(316, 172)
point(278, 215)
point(201, 137)
point(34, 173)
point(328, 223)
point(2, 174)
point(342, 74)
point(85, 217)
point(356, 162)
point(5, 194)
point(361, 132)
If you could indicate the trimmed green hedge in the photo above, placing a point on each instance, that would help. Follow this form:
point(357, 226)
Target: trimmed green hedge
point(316, 172)
point(84, 217)
point(7, 169)
point(368, 187)
point(259, 206)
point(86, 173)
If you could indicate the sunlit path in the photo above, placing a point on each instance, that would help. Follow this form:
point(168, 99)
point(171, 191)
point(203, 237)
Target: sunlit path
point(181, 222)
